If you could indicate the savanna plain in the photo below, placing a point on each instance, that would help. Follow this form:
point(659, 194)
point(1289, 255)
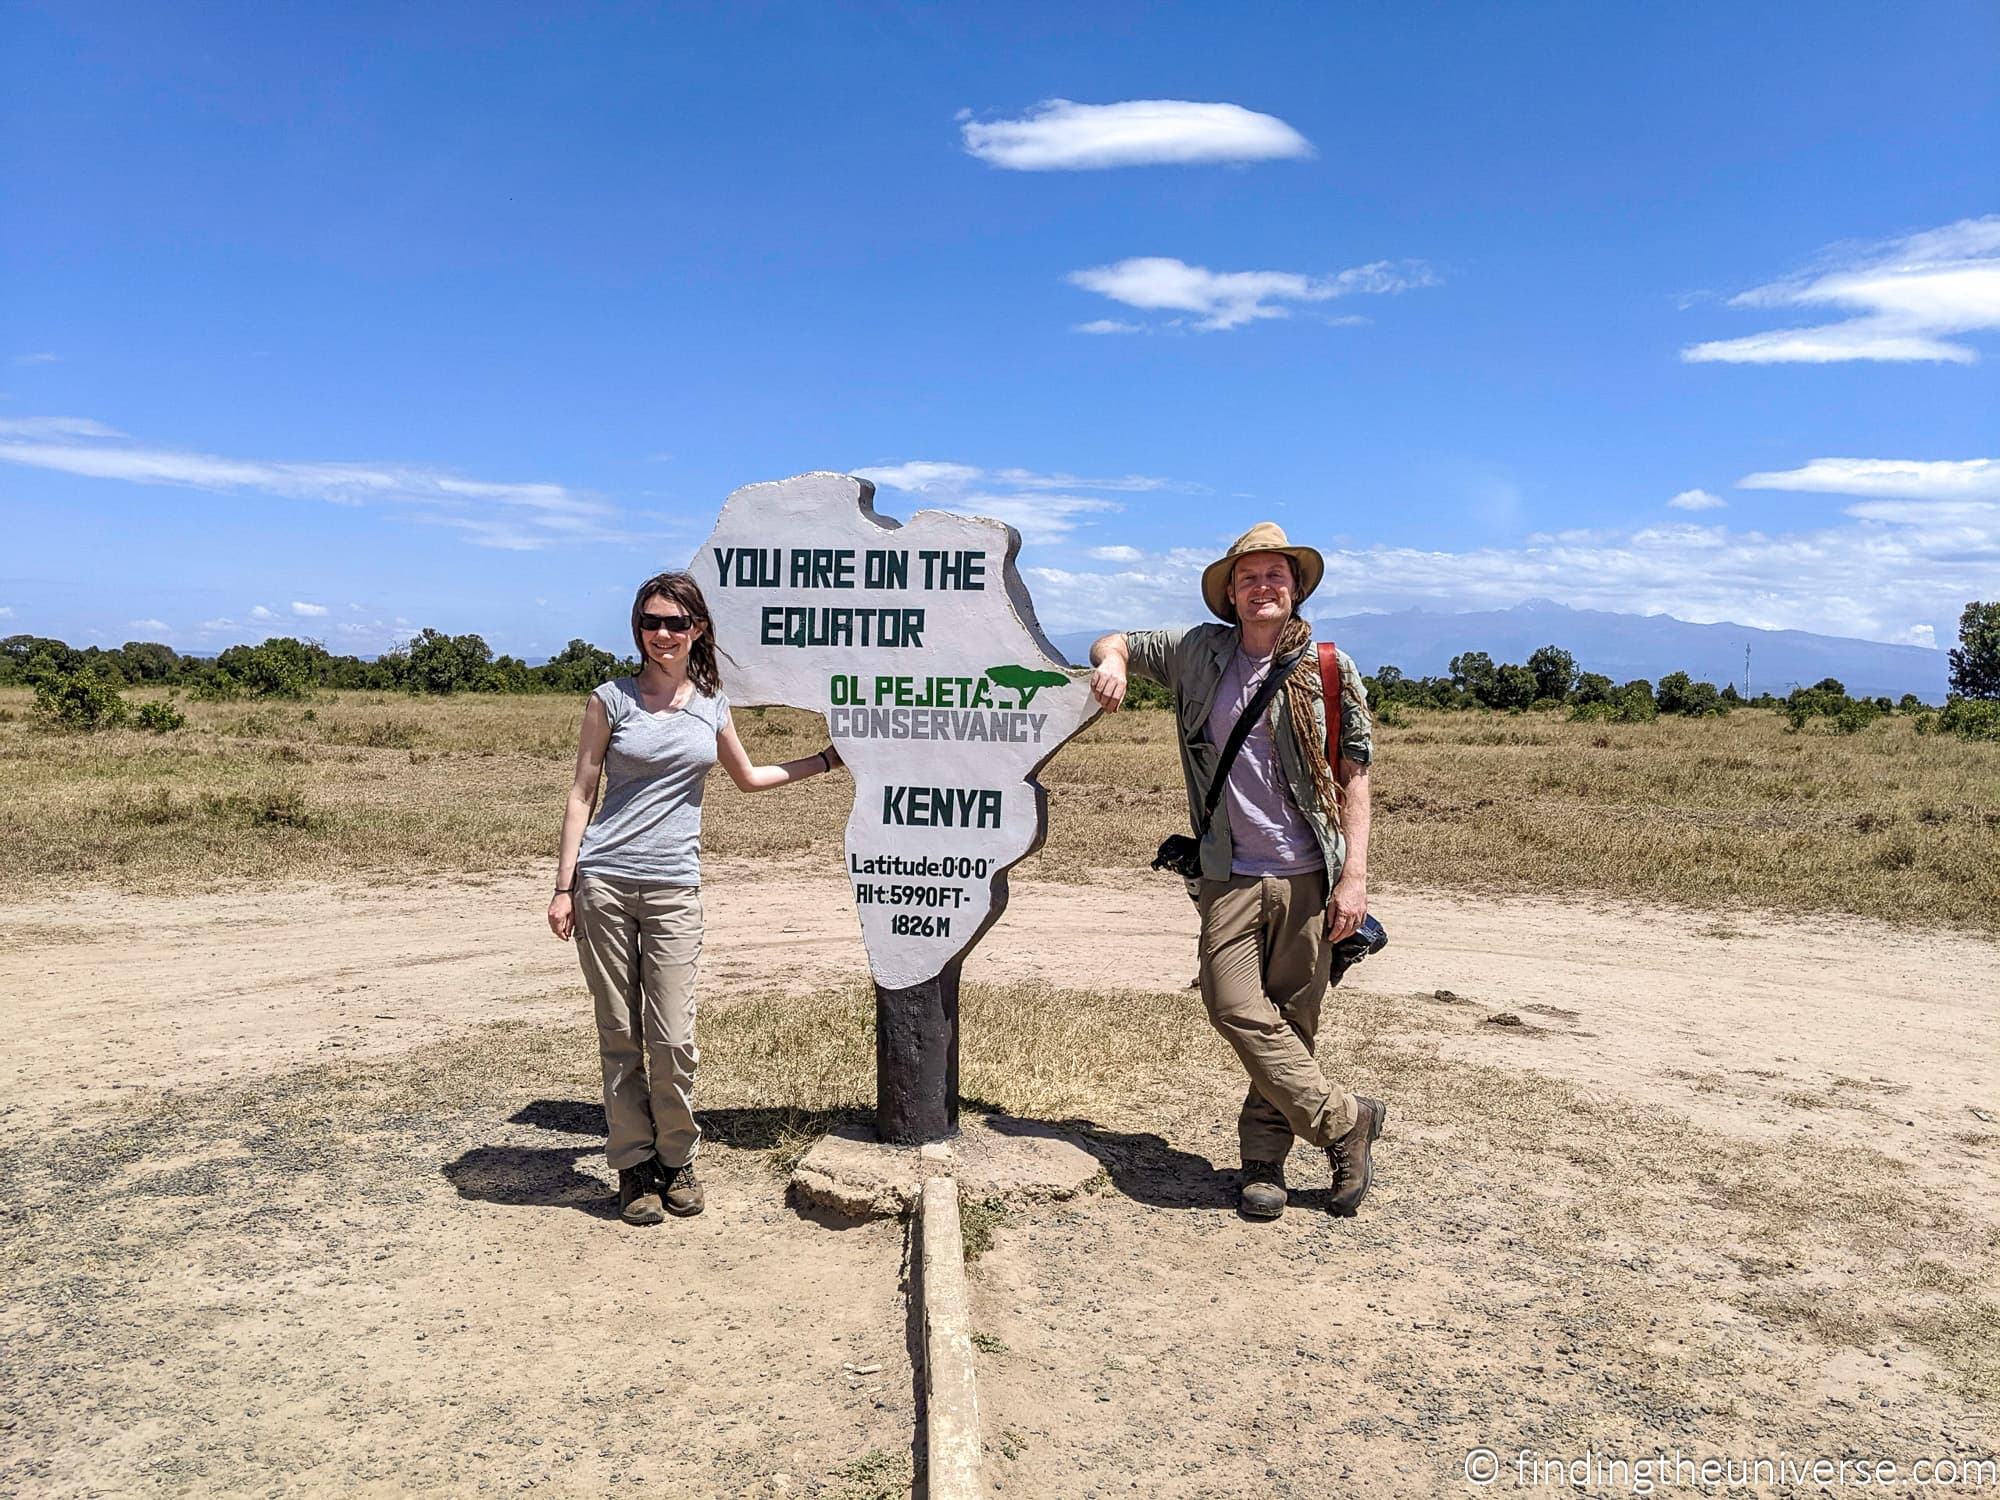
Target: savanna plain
point(1688, 1030)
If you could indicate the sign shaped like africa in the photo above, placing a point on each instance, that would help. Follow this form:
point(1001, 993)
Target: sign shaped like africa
point(918, 643)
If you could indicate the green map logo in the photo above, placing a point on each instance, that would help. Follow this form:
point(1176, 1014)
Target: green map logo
point(1027, 681)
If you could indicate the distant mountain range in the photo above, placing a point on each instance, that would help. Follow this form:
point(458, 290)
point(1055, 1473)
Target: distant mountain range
point(1423, 642)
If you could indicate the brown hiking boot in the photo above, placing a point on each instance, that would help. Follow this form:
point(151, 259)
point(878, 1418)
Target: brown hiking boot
point(684, 1197)
point(1352, 1157)
point(1262, 1193)
point(638, 1197)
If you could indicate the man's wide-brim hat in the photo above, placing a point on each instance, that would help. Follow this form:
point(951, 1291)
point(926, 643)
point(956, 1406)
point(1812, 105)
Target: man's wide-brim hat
point(1265, 536)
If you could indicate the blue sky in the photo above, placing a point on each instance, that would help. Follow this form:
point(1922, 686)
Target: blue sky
point(346, 320)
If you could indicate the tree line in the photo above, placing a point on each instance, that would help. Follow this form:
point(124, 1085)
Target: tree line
point(80, 687)
point(1550, 679)
point(283, 667)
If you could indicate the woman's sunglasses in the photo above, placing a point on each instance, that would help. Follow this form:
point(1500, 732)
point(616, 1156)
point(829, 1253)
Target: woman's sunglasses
point(678, 624)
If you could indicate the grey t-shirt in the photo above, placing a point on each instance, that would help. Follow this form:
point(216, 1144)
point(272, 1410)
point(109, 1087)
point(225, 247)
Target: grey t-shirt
point(1268, 835)
point(649, 824)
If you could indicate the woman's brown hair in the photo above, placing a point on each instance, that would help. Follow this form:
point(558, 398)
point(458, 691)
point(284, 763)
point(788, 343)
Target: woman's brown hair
point(684, 591)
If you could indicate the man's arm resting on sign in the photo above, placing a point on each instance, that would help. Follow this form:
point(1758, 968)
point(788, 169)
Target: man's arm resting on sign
point(1347, 903)
point(1107, 683)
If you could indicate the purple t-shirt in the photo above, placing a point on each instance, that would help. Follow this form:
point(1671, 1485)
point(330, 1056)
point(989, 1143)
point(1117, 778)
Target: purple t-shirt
point(1268, 835)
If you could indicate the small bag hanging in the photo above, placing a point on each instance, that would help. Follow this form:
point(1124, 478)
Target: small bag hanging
point(1181, 855)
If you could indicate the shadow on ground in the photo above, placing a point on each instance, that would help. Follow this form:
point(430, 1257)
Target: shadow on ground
point(1141, 1166)
point(553, 1176)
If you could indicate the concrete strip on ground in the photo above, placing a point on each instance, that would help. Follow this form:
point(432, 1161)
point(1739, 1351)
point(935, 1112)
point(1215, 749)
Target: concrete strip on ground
point(951, 1398)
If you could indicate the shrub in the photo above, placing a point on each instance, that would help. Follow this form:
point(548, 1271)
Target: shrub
point(434, 662)
point(1630, 704)
point(578, 668)
point(160, 718)
point(1513, 687)
point(1555, 672)
point(280, 668)
point(78, 702)
point(1975, 661)
point(1854, 715)
point(1971, 718)
point(1848, 715)
point(1593, 687)
point(1680, 694)
point(1473, 672)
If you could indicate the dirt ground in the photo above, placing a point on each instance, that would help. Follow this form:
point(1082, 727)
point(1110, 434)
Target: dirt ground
point(1726, 1186)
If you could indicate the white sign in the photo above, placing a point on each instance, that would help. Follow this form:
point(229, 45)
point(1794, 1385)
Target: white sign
point(920, 646)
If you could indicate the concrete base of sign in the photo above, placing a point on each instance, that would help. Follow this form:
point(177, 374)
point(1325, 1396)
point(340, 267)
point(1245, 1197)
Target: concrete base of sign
point(992, 1156)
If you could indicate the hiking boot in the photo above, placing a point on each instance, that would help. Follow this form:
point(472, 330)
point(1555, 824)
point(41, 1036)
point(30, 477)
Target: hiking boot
point(684, 1197)
point(1262, 1194)
point(1352, 1157)
point(639, 1196)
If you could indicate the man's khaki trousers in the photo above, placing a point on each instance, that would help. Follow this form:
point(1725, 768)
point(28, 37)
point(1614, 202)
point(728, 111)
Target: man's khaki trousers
point(639, 944)
point(1264, 967)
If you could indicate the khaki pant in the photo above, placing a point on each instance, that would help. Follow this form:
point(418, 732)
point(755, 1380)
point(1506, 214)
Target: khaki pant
point(1264, 966)
point(639, 944)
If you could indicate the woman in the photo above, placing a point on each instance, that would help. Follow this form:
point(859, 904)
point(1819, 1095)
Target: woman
point(628, 884)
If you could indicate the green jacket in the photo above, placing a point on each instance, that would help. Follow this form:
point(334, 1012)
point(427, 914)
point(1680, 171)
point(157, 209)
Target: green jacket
point(1190, 663)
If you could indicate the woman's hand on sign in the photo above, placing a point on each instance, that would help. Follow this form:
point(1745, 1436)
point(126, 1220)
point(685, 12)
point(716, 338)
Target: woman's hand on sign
point(562, 915)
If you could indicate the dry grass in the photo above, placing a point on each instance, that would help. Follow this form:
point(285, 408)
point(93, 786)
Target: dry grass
point(1830, 1246)
point(1711, 813)
point(353, 784)
point(1726, 813)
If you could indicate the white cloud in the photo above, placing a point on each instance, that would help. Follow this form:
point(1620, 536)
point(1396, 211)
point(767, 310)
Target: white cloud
point(1038, 517)
point(1027, 479)
point(146, 625)
point(1042, 507)
point(921, 476)
point(1907, 492)
point(1106, 325)
point(43, 358)
point(309, 611)
point(1696, 500)
point(259, 612)
point(1882, 566)
point(1973, 479)
point(514, 515)
point(930, 477)
point(1907, 299)
point(56, 427)
point(1229, 299)
point(1059, 136)
point(6, 611)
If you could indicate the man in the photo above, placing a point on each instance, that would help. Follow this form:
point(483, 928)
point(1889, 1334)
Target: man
point(1284, 861)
